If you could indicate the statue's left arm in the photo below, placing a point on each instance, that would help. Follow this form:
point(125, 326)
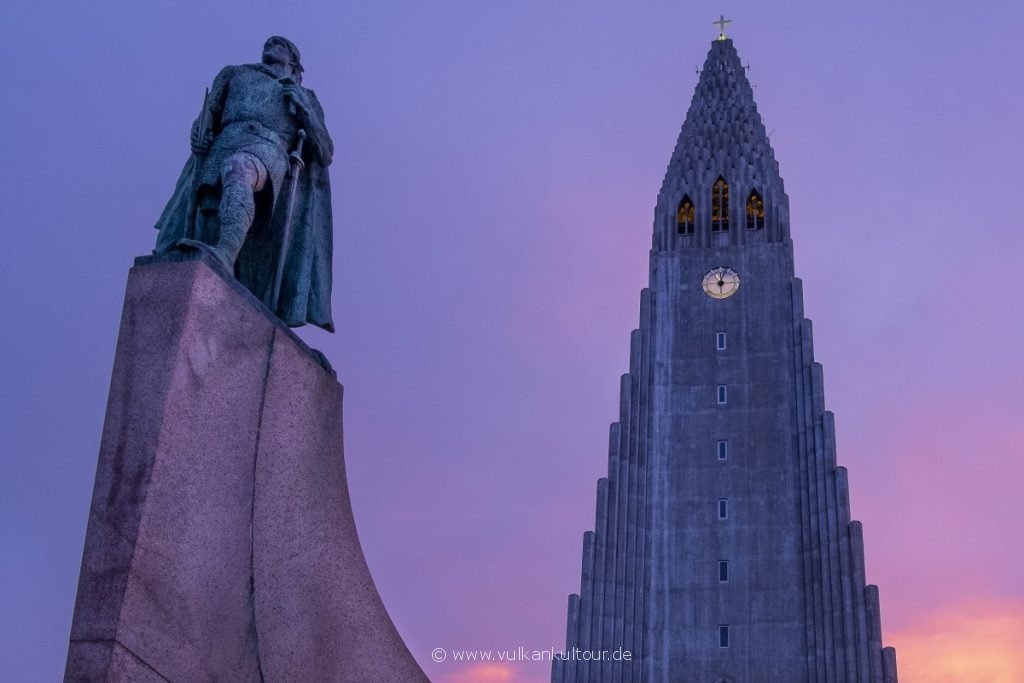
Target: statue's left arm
point(317, 137)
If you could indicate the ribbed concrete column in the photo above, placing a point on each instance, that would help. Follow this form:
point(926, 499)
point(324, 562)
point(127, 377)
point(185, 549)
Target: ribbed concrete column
point(821, 486)
point(806, 403)
point(629, 578)
point(634, 608)
point(628, 409)
point(600, 538)
point(874, 615)
point(586, 598)
point(846, 572)
point(627, 471)
point(815, 670)
point(824, 515)
point(859, 603)
point(572, 631)
point(835, 574)
point(889, 665)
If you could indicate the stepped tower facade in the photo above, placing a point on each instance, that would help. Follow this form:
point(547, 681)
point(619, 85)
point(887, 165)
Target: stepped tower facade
point(723, 548)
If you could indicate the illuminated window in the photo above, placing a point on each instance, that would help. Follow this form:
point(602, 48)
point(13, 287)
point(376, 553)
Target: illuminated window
point(723, 636)
point(685, 217)
point(723, 450)
point(723, 508)
point(720, 341)
point(755, 211)
point(722, 395)
point(720, 206)
point(723, 571)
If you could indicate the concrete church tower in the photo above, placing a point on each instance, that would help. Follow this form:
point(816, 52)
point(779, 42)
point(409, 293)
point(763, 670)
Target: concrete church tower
point(723, 549)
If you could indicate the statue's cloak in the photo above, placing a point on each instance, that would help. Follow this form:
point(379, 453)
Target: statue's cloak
point(306, 285)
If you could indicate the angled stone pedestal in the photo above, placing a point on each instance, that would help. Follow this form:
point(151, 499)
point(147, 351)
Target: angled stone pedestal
point(221, 544)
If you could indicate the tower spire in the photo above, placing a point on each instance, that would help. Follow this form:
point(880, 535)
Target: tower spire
point(723, 135)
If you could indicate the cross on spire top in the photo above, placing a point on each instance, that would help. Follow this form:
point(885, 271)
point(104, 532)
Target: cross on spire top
point(722, 21)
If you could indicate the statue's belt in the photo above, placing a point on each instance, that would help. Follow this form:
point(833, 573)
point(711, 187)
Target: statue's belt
point(258, 129)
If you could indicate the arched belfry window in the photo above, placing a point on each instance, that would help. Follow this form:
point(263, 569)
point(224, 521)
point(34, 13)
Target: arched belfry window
point(685, 216)
point(755, 211)
point(720, 206)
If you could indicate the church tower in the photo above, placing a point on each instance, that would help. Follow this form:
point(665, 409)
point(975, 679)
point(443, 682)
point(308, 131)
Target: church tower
point(723, 549)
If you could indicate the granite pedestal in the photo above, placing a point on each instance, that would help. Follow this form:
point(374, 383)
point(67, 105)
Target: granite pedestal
point(221, 543)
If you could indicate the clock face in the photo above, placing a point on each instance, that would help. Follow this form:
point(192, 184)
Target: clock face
point(721, 283)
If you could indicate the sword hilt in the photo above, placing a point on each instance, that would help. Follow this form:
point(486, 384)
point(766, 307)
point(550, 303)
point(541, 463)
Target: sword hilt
point(296, 154)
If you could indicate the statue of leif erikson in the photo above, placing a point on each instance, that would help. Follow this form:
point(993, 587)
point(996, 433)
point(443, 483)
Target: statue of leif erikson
point(255, 191)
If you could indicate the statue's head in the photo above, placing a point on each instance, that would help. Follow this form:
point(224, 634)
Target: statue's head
point(282, 50)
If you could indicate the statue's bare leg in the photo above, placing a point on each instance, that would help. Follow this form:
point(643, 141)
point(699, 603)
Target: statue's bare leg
point(242, 175)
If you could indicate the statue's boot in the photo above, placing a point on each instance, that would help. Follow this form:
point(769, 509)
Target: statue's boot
point(225, 252)
point(195, 245)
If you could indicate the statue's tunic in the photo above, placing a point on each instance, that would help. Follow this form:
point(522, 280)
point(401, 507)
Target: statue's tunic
point(249, 114)
point(253, 118)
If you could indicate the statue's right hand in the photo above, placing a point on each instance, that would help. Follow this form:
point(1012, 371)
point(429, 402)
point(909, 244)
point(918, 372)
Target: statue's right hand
point(200, 147)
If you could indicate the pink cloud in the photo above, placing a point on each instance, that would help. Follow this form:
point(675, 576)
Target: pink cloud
point(978, 640)
point(935, 483)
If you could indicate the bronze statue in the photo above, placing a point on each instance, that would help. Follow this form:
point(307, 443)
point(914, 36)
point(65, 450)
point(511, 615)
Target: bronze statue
point(255, 193)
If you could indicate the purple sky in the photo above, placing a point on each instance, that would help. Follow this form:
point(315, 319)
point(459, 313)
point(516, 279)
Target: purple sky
point(494, 185)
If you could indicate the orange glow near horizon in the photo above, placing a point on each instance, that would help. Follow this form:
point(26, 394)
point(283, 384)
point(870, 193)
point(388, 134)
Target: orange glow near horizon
point(966, 643)
point(484, 673)
point(977, 640)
